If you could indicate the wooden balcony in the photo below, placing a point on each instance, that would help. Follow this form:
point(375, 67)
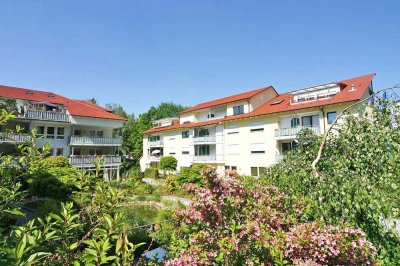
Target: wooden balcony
point(47, 116)
point(93, 141)
point(287, 133)
point(89, 160)
point(12, 138)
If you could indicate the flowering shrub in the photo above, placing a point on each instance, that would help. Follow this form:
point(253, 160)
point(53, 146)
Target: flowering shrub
point(233, 223)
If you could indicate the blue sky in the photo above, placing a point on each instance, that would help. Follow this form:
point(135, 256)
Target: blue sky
point(140, 53)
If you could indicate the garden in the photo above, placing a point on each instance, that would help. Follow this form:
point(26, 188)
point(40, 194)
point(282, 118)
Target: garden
point(342, 212)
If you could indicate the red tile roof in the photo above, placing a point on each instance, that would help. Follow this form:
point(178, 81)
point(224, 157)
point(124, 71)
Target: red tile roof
point(345, 95)
point(74, 107)
point(229, 99)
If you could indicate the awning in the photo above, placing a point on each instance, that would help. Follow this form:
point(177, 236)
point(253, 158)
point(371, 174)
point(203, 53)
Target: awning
point(155, 151)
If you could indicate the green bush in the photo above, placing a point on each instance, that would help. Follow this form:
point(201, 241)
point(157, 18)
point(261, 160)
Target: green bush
point(151, 173)
point(191, 174)
point(44, 184)
point(47, 206)
point(168, 163)
point(55, 161)
point(170, 184)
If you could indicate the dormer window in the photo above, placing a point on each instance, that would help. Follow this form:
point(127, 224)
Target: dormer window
point(239, 109)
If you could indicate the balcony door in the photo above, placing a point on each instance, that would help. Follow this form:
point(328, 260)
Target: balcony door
point(310, 121)
point(202, 150)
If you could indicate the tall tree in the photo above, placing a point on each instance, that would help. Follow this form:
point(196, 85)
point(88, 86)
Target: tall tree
point(92, 100)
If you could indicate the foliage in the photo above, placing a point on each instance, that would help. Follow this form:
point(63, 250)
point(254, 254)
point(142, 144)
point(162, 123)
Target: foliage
point(359, 175)
point(52, 177)
point(168, 163)
point(92, 234)
point(9, 105)
point(230, 223)
point(151, 173)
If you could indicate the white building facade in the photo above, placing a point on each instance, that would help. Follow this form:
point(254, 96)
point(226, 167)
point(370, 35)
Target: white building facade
point(78, 130)
point(248, 132)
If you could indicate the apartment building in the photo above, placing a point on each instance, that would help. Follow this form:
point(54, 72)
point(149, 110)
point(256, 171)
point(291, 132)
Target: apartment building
point(76, 129)
point(247, 132)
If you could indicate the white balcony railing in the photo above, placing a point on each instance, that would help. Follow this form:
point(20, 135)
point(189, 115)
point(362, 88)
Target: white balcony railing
point(156, 143)
point(155, 158)
point(13, 138)
point(92, 141)
point(292, 132)
point(204, 158)
point(47, 116)
point(204, 139)
point(89, 160)
point(279, 158)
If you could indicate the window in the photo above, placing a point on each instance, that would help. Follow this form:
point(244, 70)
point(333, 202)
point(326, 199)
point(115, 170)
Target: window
point(51, 152)
point(257, 129)
point(331, 116)
point(172, 153)
point(310, 121)
point(92, 152)
point(203, 132)
point(232, 129)
point(60, 133)
point(92, 133)
point(202, 150)
point(288, 146)
point(154, 138)
point(60, 152)
point(185, 134)
point(233, 168)
point(295, 122)
point(40, 131)
point(77, 132)
point(210, 116)
point(227, 167)
point(306, 121)
point(237, 110)
point(99, 134)
point(50, 132)
point(185, 152)
point(77, 152)
point(233, 132)
point(254, 171)
point(257, 148)
point(257, 171)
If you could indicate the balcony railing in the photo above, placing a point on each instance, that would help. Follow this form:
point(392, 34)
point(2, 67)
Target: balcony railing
point(158, 143)
point(47, 116)
point(279, 158)
point(155, 158)
point(92, 141)
point(204, 158)
point(13, 138)
point(204, 139)
point(292, 132)
point(89, 160)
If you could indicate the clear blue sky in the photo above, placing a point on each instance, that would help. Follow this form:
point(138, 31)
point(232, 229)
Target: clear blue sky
point(140, 53)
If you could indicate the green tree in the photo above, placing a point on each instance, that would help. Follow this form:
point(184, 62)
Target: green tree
point(92, 100)
point(359, 171)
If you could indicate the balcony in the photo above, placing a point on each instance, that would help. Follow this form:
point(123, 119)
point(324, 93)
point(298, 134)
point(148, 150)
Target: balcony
point(47, 116)
point(288, 133)
point(279, 158)
point(13, 138)
point(204, 139)
point(89, 160)
point(158, 143)
point(92, 141)
point(154, 158)
point(205, 159)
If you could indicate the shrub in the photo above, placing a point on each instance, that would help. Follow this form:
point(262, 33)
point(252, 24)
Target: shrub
point(151, 173)
point(168, 163)
point(55, 161)
point(191, 174)
point(233, 223)
point(170, 184)
point(44, 184)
